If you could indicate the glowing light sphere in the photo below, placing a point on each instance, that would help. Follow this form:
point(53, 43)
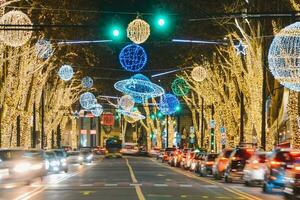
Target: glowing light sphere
point(180, 87)
point(15, 36)
point(126, 102)
point(97, 110)
point(133, 58)
point(135, 115)
point(138, 31)
point(199, 73)
point(87, 100)
point(87, 82)
point(107, 119)
point(66, 72)
point(139, 87)
point(43, 49)
point(284, 57)
point(168, 104)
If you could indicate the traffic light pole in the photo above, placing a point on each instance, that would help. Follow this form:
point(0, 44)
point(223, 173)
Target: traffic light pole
point(212, 130)
point(167, 131)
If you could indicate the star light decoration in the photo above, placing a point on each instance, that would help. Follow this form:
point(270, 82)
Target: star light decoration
point(199, 73)
point(87, 100)
point(97, 110)
point(126, 102)
point(87, 82)
point(240, 48)
point(168, 104)
point(133, 58)
point(284, 56)
point(66, 72)
point(138, 31)
point(180, 87)
point(139, 87)
point(15, 36)
point(43, 48)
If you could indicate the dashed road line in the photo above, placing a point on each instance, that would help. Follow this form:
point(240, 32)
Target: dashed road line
point(185, 185)
point(160, 185)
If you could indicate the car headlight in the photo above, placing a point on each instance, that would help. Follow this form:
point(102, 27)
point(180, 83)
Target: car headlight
point(63, 161)
point(80, 158)
point(90, 157)
point(22, 167)
point(54, 163)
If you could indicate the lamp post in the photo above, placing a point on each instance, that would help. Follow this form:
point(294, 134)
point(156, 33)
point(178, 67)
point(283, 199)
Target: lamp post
point(43, 119)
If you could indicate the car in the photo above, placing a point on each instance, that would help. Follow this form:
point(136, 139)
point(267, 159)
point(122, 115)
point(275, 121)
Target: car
point(167, 153)
point(198, 158)
point(74, 157)
point(206, 165)
point(182, 159)
point(188, 160)
point(142, 151)
point(52, 162)
point(62, 155)
point(130, 149)
point(279, 163)
point(154, 152)
point(160, 155)
point(99, 150)
point(292, 181)
point(174, 157)
point(236, 163)
point(255, 168)
point(87, 157)
point(221, 162)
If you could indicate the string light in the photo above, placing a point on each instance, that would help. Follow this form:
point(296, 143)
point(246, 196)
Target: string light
point(138, 31)
point(66, 72)
point(135, 115)
point(198, 73)
point(133, 58)
point(180, 87)
point(168, 104)
point(97, 110)
point(126, 102)
point(87, 100)
point(87, 82)
point(43, 48)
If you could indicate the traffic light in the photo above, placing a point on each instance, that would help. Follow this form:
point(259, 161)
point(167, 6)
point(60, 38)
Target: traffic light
point(115, 32)
point(161, 21)
point(178, 108)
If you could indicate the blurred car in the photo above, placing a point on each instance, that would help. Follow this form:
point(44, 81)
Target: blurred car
point(130, 149)
point(174, 157)
point(182, 158)
point(74, 157)
point(292, 181)
point(62, 156)
point(206, 165)
point(167, 154)
point(236, 163)
point(67, 148)
point(87, 157)
point(160, 154)
point(198, 158)
point(221, 163)
point(279, 163)
point(188, 160)
point(18, 165)
point(142, 151)
point(99, 150)
point(154, 152)
point(52, 162)
point(255, 168)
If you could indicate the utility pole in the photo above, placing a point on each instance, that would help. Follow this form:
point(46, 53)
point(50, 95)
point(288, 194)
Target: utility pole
point(167, 131)
point(58, 137)
point(18, 131)
point(212, 130)
point(242, 118)
point(202, 122)
point(43, 119)
point(33, 134)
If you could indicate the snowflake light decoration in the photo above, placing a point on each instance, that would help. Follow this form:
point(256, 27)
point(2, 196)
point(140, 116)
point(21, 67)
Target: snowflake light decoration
point(14, 35)
point(43, 49)
point(139, 87)
point(87, 100)
point(126, 102)
point(97, 110)
point(240, 48)
point(180, 87)
point(168, 104)
point(135, 115)
point(138, 31)
point(66, 72)
point(87, 82)
point(284, 56)
point(133, 58)
point(199, 73)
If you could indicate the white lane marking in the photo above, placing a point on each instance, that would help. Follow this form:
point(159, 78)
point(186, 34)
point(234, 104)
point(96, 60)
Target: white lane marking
point(160, 185)
point(86, 185)
point(210, 186)
point(110, 185)
point(135, 184)
point(185, 185)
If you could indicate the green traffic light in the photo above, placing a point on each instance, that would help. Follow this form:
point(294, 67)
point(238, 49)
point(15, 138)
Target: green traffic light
point(161, 22)
point(116, 32)
point(177, 108)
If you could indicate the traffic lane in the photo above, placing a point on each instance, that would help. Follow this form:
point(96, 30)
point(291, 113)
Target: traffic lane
point(177, 183)
point(106, 180)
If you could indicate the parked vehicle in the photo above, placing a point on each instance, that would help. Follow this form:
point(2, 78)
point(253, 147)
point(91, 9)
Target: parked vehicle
point(62, 156)
point(154, 152)
point(173, 161)
point(130, 149)
point(74, 157)
point(188, 160)
point(236, 163)
point(205, 167)
point(255, 168)
point(221, 163)
point(198, 158)
point(160, 154)
point(180, 162)
point(279, 163)
point(292, 181)
point(167, 153)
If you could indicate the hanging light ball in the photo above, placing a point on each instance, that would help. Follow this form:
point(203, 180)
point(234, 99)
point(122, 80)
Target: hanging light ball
point(87, 100)
point(87, 82)
point(107, 119)
point(15, 36)
point(133, 58)
point(66, 72)
point(138, 31)
point(180, 87)
point(168, 104)
point(284, 56)
point(97, 110)
point(199, 73)
point(43, 49)
point(126, 102)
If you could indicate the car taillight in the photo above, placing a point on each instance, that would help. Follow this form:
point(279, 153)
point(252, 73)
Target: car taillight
point(234, 158)
point(209, 163)
point(297, 168)
point(250, 150)
point(223, 159)
point(275, 163)
point(255, 162)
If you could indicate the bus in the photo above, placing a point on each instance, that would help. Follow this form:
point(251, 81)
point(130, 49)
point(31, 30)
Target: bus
point(113, 148)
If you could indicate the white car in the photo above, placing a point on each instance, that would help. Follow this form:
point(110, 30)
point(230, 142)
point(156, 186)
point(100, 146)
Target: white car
point(74, 157)
point(130, 149)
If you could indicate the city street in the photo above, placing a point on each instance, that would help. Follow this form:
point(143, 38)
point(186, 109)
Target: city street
point(130, 178)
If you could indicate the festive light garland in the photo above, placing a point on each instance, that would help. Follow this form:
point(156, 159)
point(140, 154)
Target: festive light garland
point(66, 72)
point(87, 82)
point(97, 110)
point(199, 73)
point(139, 87)
point(15, 36)
point(133, 58)
point(168, 104)
point(43, 49)
point(138, 31)
point(126, 102)
point(284, 57)
point(135, 115)
point(180, 87)
point(87, 100)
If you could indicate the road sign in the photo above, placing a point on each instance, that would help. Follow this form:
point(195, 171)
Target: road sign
point(222, 129)
point(212, 124)
point(192, 140)
point(192, 129)
point(223, 138)
point(192, 135)
point(183, 137)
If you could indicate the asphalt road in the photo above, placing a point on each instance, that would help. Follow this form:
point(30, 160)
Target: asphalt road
point(131, 178)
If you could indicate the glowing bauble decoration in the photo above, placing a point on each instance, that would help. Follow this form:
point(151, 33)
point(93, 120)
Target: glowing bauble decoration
point(199, 73)
point(97, 110)
point(15, 36)
point(126, 102)
point(133, 117)
point(43, 49)
point(284, 57)
point(133, 58)
point(107, 119)
point(87, 82)
point(66, 72)
point(87, 100)
point(180, 87)
point(138, 31)
point(168, 104)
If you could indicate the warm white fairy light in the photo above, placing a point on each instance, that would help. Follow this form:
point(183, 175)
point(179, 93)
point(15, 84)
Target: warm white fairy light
point(138, 31)
point(198, 73)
